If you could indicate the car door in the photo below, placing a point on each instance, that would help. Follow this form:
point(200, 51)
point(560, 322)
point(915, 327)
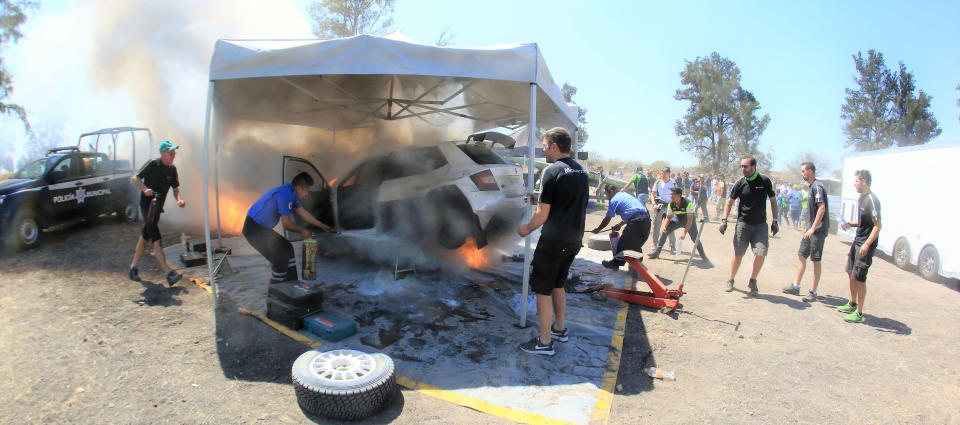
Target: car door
point(318, 202)
point(64, 188)
point(97, 197)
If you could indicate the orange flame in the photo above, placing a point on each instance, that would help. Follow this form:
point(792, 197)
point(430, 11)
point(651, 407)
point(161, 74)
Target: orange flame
point(232, 215)
point(474, 257)
point(332, 182)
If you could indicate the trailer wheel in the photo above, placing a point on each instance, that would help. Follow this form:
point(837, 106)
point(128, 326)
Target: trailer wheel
point(344, 385)
point(929, 263)
point(901, 253)
point(26, 230)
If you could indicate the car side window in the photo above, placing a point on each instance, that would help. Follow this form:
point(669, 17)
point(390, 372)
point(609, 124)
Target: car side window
point(410, 162)
point(66, 166)
point(92, 165)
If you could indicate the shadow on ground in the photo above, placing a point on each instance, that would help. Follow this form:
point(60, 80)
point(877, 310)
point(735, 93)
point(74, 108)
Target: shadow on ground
point(636, 354)
point(159, 295)
point(887, 325)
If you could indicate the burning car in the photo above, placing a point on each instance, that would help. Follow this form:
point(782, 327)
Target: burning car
point(440, 194)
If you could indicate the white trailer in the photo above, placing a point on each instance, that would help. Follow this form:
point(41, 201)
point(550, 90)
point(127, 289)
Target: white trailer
point(917, 204)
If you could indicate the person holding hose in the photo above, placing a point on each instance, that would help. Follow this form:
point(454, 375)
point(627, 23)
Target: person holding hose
point(279, 204)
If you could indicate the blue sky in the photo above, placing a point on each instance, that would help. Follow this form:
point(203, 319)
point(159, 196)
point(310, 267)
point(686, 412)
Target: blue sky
point(624, 57)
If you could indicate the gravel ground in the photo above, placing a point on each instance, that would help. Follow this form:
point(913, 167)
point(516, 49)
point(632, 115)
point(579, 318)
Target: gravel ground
point(83, 344)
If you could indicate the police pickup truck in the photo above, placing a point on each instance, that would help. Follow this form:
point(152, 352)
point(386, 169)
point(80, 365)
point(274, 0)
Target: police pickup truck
point(65, 185)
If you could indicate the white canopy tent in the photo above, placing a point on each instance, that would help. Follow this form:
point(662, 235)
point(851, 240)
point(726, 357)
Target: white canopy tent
point(348, 83)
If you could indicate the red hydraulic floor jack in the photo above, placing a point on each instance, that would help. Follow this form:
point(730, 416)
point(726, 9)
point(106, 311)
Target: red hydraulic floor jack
point(661, 298)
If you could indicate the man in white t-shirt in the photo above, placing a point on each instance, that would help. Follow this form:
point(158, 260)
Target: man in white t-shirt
point(661, 199)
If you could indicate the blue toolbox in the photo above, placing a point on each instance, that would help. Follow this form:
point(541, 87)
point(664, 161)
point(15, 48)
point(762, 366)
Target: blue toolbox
point(330, 327)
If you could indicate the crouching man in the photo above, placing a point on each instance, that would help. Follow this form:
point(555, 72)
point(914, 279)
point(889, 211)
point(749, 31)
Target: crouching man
point(634, 214)
point(278, 205)
point(683, 210)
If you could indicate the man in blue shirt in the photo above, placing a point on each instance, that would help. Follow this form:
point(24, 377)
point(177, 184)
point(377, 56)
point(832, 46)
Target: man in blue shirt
point(634, 214)
point(794, 198)
point(278, 205)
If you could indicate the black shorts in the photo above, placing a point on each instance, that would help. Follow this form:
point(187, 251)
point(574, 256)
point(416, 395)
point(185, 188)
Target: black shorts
point(812, 247)
point(857, 266)
point(551, 262)
point(753, 234)
point(151, 230)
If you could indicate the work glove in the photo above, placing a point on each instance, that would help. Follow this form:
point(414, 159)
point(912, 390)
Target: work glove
point(774, 227)
point(723, 226)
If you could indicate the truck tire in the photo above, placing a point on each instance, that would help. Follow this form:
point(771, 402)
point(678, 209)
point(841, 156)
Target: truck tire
point(901, 253)
point(344, 385)
point(129, 213)
point(929, 263)
point(26, 230)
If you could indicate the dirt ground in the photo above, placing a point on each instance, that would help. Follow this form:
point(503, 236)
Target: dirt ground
point(83, 344)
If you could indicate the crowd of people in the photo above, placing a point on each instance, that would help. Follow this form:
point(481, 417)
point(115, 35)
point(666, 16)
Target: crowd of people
point(677, 200)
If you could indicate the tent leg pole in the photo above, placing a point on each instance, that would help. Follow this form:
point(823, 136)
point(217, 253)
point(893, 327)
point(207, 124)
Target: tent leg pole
point(531, 165)
point(206, 194)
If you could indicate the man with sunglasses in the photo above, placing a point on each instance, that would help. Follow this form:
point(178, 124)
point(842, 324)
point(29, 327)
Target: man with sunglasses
point(753, 190)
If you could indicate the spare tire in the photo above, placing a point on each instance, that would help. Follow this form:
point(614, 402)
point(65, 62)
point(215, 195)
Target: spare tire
point(599, 242)
point(344, 385)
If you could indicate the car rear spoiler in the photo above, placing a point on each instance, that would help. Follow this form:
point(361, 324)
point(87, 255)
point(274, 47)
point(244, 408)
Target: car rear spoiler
point(493, 137)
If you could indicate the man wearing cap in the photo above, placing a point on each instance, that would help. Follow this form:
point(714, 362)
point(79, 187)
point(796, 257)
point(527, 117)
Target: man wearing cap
point(154, 179)
point(640, 185)
point(661, 198)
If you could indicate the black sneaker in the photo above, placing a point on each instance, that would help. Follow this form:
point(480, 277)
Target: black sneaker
point(654, 255)
point(560, 336)
point(535, 347)
point(173, 277)
point(610, 264)
point(134, 274)
point(753, 288)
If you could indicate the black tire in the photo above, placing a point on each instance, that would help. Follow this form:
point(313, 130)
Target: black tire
point(25, 230)
point(344, 385)
point(929, 263)
point(901, 254)
point(129, 213)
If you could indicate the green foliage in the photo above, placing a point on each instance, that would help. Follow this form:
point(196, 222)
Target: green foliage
point(12, 15)
point(347, 18)
point(722, 121)
point(884, 110)
point(569, 91)
point(822, 163)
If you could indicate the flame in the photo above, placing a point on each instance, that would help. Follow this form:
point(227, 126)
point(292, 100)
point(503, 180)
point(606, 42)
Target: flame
point(232, 215)
point(332, 182)
point(475, 258)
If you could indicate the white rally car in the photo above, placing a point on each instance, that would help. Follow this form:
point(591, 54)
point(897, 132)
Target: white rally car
point(438, 194)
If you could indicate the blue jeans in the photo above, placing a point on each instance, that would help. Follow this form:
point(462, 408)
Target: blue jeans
point(643, 197)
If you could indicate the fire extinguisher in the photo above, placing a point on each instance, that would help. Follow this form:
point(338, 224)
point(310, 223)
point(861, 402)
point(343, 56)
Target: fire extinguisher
point(614, 239)
point(153, 213)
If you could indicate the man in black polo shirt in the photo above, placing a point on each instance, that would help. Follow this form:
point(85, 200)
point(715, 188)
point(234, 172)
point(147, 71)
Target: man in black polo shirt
point(753, 190)
point(811, 244)
point(154, 180)
point(561, 212)
point(863, 247)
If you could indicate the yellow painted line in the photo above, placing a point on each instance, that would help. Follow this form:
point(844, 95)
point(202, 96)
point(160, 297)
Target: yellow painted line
point(477, 404)
point(601, 410)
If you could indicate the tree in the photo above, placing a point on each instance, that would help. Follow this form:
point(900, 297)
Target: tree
point(569, 91)
point(14, 14)
point(446, 37)
point(721, 123)
point(347, 18)
point(823, 165)
point(884, 110)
